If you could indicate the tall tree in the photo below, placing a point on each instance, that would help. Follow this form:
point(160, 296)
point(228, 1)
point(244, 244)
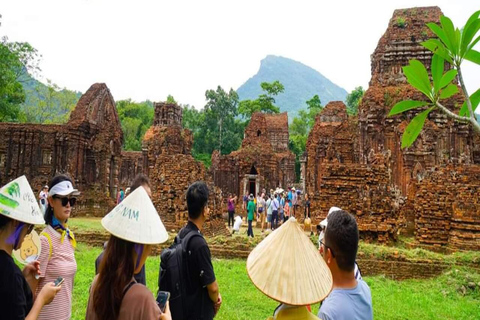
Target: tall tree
point(135, 118)
point(221, 108)
point(264, 103)
point(353, 100)
point(16, 60)
point(300, 128)
point(48, 103)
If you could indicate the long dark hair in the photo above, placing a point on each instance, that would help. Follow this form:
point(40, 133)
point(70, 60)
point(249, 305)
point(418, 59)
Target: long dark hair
point(116, 272)
point(56, 180)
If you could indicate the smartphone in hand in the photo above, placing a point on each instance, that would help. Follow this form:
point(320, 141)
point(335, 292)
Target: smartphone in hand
point(59, 281)
point(162, 298)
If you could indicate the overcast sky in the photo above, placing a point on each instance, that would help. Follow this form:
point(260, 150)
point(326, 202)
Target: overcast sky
point(149, 49)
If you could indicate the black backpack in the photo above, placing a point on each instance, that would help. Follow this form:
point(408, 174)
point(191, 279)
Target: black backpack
point(173, 274)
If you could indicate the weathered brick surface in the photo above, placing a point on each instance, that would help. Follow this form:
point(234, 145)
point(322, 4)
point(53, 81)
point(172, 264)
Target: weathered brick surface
point(87, 148)
point(263, 160)
point(447, 208)
point(131, 165)
point(171, 168)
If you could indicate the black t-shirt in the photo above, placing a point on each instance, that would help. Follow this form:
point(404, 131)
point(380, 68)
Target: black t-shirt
point(16, 298)
point(200, 274)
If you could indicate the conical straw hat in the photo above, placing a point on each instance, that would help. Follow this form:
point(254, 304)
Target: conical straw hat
point(288, 268)
point(18, 202)
point(135, 219)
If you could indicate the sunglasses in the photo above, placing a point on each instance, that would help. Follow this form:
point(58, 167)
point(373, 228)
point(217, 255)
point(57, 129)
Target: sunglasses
point(331, 250)
point(66, 200)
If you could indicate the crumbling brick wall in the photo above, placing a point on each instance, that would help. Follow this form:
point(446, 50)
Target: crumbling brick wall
point(171, 168)
point(263, 160)
point(447, 208)
point(87, 148)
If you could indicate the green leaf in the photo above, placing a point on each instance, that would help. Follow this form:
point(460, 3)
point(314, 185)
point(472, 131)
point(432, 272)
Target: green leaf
point(449, 91)
point(440, 33)
point(417, 76)
point(414, 128)
point(468, 33)
point(473, 43)
point(475, 100)
point(447, 78)
point(449, 30)
point(406, 105)
point(437, 68)
point(473, 56)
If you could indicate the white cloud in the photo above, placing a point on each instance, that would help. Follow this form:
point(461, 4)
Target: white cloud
point(149, 49)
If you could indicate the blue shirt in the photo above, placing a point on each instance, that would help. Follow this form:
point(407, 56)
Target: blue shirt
point(346, 304)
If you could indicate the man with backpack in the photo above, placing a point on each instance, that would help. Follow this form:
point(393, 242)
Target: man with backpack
point(186, 269)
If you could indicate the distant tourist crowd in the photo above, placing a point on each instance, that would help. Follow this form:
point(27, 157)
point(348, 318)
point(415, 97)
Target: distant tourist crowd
point(286, 266)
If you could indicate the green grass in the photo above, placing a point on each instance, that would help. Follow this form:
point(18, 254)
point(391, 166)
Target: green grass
point(85, 224)
point(436, 298)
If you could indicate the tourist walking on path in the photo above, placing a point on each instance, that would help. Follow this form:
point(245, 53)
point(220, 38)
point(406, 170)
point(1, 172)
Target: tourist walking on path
point(114, 294)
point(309, 280)
point(294, 203)
point(268, 204)
point(307, 207)
point(281, 207)
point(19, 212)
point(275, 205)
point(245, 202)
point(231, 208)
point(251, 214)
point(261, 210)
point(58, 243)
point(350, 298)
point(120, 196)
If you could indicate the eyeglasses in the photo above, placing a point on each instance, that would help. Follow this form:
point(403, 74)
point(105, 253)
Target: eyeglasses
point(66, 200)
point(331, 250)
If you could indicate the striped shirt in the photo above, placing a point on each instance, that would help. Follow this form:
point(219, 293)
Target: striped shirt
point(61, 264)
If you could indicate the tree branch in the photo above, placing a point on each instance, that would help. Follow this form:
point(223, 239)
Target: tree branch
point(473, 121)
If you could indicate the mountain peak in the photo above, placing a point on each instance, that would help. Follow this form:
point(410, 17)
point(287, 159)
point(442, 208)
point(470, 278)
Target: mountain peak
point(301, 83)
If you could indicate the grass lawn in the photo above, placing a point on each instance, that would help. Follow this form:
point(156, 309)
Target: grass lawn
point(436, 298)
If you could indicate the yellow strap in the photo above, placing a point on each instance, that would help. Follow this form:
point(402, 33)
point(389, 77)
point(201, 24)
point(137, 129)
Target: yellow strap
point(46, 235)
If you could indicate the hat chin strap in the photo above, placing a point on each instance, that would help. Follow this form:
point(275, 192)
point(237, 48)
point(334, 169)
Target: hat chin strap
point(139, 251)
point(14, 238)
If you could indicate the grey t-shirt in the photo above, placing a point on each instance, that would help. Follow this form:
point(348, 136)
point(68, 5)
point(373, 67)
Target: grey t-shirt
point(347, 304)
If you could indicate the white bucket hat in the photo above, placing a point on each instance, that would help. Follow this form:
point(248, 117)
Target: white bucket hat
point(324, 222)
point(135, 219)
point(288, 268)
point(18, 202)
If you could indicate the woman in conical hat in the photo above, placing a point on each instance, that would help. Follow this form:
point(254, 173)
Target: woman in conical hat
point(135, 226)
point(288, 268)
point(19, 212)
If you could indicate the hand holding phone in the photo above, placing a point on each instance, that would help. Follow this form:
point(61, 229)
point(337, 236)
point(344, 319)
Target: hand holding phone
point(59, 281)
point(162, 298)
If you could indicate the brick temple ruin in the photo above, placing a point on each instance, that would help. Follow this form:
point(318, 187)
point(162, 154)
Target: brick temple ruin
point(430, 188)
point(262, 162)
point(87, 147)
